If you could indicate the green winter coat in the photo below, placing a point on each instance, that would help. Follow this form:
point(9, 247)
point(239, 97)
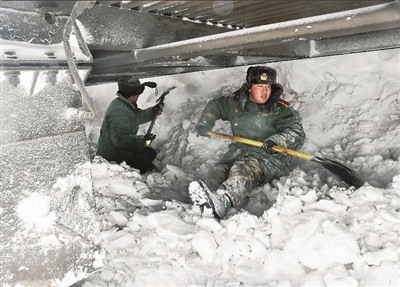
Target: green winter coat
point(118, 135)
point(273, 120)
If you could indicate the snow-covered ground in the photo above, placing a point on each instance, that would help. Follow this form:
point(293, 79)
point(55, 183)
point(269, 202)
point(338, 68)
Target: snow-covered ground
point(305, 229)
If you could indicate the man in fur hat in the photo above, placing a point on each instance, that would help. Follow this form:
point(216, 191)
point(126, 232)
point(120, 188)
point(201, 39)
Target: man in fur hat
point(256, 112)
point(118, 139)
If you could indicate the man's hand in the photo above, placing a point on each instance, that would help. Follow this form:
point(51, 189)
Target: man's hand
point(202, 131)
point(157, 109)
point(148, 139)
point(267, 146)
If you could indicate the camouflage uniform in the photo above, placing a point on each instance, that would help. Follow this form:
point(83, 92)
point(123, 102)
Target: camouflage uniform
point(237, 179)
point(244, 166)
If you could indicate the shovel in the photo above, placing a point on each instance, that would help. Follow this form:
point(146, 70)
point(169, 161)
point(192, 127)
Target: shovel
point(340, 170)
point(159, 100)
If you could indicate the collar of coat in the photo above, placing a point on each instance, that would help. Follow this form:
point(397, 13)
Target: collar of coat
point(133, 105)
point(242, 96)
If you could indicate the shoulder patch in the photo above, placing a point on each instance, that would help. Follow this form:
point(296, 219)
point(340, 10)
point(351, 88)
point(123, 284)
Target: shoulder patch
point(283, 102)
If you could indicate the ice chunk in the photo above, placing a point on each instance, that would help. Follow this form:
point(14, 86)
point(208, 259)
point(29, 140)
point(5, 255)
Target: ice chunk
point(204, 243)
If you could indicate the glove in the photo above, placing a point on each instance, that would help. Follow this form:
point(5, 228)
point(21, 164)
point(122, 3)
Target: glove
point(202, 131)
point(157, 109)
point(267, 146)
point(148, 139)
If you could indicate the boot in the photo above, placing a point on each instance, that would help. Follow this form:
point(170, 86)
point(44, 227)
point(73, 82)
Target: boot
point(219, 203)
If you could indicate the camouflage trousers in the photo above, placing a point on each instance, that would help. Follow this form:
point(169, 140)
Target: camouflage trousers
point(236, 179)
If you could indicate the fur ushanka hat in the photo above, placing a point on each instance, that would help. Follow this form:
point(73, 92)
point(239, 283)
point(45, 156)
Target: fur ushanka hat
point(262, 75)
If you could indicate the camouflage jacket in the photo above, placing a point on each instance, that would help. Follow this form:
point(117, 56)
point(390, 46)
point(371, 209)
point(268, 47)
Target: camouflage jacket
point(273, 120)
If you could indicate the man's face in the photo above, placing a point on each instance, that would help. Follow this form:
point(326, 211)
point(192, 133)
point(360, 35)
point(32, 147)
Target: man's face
point(133, 99)
point(260, 93)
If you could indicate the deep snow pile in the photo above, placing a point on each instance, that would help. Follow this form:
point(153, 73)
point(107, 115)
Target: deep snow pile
point(307, 229)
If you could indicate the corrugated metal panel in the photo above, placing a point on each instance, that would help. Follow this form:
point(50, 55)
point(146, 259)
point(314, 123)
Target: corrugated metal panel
point(243, 14)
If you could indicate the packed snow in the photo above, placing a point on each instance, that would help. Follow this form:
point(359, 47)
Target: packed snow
point(306, 229)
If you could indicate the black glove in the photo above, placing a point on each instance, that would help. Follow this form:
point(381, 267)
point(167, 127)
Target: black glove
point(267, 146)
point(148, 139)
point(157, 109)
point(202, 131)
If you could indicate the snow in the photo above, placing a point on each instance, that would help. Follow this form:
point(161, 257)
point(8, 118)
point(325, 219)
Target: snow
point(306, 229)
point(35, 212)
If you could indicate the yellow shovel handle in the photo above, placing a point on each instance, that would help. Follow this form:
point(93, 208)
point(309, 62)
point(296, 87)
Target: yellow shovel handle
point(260, 144)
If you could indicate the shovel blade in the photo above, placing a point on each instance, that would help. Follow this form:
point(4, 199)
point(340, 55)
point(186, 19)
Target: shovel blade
point(341, 171)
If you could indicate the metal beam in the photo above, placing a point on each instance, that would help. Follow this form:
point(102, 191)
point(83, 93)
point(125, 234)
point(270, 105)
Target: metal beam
point(374, 18)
